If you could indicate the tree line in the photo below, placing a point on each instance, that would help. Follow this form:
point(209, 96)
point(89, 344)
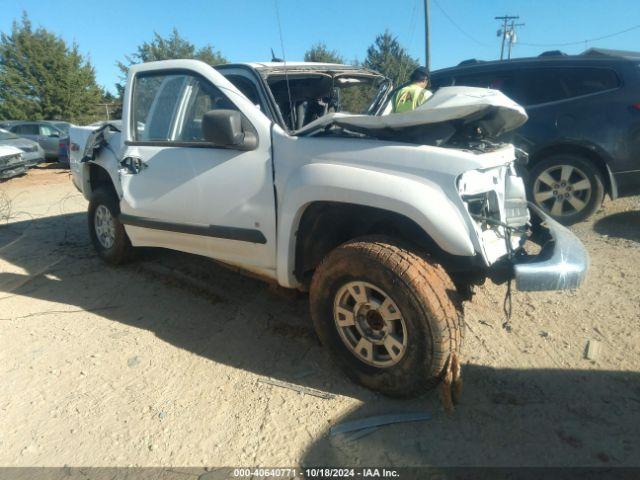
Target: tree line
point(44, 78)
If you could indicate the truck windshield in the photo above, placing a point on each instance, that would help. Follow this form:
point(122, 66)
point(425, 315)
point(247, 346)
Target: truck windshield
point(314, 95)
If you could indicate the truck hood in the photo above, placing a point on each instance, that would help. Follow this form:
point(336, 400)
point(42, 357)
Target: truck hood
point(490, 110)
point(21, 143)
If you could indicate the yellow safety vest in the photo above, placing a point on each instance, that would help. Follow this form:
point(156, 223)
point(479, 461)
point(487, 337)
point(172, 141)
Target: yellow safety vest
point(410, 97)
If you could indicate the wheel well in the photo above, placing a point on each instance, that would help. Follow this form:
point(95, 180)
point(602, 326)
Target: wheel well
point(100, 178)
point(581, 151)
point(325, 225)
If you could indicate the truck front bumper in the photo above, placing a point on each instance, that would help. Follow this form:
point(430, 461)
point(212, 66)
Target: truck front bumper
point(562, 263)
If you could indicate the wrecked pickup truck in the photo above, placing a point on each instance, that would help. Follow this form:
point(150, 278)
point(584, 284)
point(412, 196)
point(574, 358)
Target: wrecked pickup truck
point(387, 220)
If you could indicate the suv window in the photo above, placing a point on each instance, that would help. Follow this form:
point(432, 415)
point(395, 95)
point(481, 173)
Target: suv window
point(503, 81)
point(28, 129)
point(542, 85)
point(170, 107)
point(532, 86)
point(583, 81)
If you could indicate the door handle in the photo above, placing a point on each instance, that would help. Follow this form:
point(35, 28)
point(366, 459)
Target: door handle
point(132, 165)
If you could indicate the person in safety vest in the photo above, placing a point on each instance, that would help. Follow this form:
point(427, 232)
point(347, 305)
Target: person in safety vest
point(413, 95)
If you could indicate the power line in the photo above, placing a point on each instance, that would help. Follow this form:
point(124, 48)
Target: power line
point(460, 29)
point(581, 41)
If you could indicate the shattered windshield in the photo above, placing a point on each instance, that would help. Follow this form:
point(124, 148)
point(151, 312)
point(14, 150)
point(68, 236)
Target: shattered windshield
point(303, 98)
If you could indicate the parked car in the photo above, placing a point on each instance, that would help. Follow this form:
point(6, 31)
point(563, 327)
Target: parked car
point(583, 133)
point(11, 162)
point(32, 152)
point(62, 126)
point(386, 219)
point(46, 134)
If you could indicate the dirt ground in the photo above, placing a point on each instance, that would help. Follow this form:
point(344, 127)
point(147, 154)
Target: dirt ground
point(164, 361)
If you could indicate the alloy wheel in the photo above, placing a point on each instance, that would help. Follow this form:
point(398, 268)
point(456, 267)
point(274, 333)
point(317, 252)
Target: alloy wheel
point(105, 226)
point(562, 190)
point(370, 324)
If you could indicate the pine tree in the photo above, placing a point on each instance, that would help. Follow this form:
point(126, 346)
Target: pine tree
point(166, 48)
point(41, 78)
point(388, 57)
point(320, 53)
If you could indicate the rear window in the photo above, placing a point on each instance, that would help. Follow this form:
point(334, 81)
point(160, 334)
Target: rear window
point(542, 85)
point(532, 86)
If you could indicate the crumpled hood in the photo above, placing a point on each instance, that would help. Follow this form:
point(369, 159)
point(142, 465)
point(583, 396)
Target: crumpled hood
point(20, 143)
point(491, 109)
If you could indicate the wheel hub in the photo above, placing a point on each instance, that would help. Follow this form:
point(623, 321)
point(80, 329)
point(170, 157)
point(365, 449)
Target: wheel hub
point(370, 324)
point(105, 227)
point(562, 190)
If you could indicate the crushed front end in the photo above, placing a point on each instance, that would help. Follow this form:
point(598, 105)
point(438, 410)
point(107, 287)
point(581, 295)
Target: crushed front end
point(506, 223)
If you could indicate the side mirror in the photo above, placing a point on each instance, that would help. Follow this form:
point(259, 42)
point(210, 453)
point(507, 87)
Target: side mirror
point(54, 135)
point(223, 128)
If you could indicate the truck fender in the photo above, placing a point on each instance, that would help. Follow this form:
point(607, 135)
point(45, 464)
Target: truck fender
point(109, 163)
point(417, 198)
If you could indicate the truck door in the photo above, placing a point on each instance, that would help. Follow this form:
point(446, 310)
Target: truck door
point(182, 193)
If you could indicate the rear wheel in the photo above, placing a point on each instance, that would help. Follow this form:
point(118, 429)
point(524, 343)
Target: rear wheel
point(390, 316)
point(107, 233)
point(567, 187)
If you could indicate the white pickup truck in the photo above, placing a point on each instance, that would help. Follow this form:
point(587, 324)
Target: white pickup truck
point(386, 219)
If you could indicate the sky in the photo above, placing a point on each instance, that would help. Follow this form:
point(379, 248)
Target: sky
point(246, 30)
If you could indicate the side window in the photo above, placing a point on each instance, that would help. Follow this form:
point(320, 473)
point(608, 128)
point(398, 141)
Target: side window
point(438, 82)
point(29, 129)
point(247, 87)
point(583, 81)
point(544, 85)
point(170, 107)
point(503, 81)
point(46, 130)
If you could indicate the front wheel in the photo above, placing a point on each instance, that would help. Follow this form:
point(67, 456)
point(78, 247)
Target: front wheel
point(107, 233)
point(567, 187)
point(390, 316)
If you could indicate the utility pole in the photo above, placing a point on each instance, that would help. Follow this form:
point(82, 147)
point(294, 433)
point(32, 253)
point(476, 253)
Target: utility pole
point(512, 35)
point(427, 58)
point(504, 30)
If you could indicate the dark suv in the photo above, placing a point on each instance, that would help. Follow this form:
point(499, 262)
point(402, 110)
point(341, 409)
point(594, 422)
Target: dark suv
point(583, 133)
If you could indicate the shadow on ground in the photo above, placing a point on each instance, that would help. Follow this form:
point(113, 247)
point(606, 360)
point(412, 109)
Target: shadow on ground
point(620, 225)
point(507, 417)
point(52, 165)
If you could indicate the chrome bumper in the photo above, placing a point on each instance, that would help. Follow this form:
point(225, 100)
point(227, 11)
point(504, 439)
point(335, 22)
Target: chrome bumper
point(562, 263)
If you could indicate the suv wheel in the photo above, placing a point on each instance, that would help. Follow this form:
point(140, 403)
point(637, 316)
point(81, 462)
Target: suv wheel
point(567, 187)
point(390, 317)
point(107, 233)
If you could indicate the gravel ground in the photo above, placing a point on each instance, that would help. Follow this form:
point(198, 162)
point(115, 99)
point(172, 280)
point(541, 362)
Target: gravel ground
point(166, 361)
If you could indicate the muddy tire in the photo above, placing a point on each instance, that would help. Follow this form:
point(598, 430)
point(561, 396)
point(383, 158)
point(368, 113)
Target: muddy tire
point(107, 233)
point(390, 316)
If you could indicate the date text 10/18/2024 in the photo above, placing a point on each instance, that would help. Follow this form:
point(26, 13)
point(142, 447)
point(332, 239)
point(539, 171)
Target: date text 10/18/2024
point(318, 472)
